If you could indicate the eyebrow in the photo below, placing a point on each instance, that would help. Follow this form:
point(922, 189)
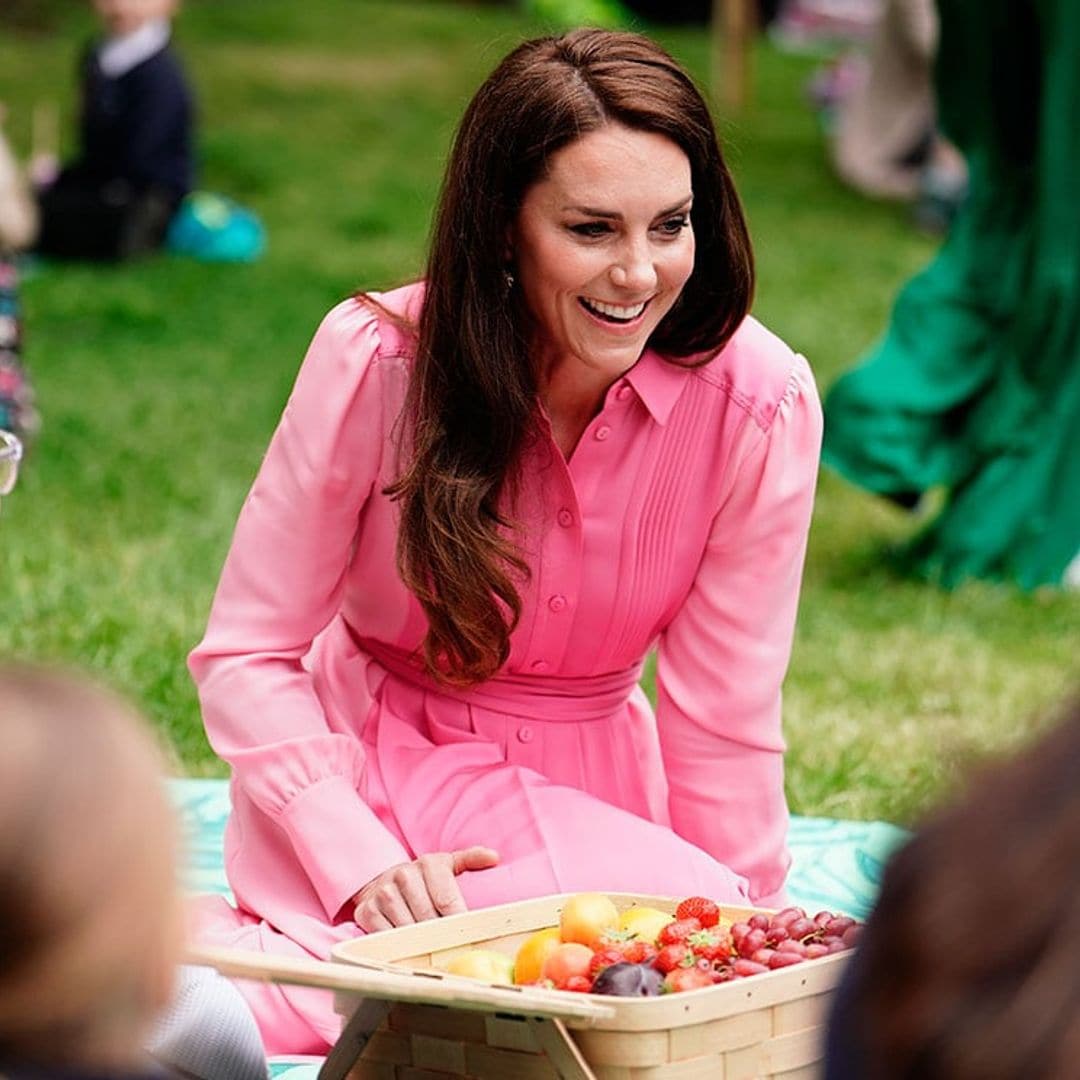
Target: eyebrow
point(611, 215)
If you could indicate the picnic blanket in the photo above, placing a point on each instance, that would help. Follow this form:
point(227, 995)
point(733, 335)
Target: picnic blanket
point(837, 864)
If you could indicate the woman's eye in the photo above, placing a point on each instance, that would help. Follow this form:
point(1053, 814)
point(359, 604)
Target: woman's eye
point(674, 226)
point(591, 229)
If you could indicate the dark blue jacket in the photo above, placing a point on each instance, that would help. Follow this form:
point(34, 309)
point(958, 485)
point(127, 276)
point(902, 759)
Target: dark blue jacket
point(138, 127)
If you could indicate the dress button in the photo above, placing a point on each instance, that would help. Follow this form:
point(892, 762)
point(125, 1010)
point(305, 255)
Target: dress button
point(624, 392)
point(525, 733)
point(603, 432)
point(540, 666)
point(557, 603)
point(566, 518)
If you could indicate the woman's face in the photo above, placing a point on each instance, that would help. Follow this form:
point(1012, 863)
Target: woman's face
point(602, 248)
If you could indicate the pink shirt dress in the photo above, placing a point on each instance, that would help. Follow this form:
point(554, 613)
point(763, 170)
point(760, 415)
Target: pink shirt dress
point(679, 522)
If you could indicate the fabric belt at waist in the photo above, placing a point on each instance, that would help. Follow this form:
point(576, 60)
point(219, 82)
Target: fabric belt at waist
point(539, 697)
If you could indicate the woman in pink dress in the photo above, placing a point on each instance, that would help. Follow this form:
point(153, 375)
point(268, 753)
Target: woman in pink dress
point(489, 497)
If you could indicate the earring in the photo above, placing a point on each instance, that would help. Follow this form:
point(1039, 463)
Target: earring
point(508, 278)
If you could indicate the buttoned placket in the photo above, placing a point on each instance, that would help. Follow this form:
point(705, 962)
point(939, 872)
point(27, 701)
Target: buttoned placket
point(570, 486)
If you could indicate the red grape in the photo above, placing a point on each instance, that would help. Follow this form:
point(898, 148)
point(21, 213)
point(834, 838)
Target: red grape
point(752, 942)
point(792, 946)
point(784, 959)
point(744, 967)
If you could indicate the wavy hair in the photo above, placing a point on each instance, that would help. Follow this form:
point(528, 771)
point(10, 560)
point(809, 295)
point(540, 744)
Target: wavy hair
point(471, 406)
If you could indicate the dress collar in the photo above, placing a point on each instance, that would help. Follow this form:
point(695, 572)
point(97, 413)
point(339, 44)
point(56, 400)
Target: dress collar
point(658, 383)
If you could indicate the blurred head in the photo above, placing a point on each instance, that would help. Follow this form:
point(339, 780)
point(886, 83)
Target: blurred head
point(89, 908)
point(968, 966)
point(125, 16)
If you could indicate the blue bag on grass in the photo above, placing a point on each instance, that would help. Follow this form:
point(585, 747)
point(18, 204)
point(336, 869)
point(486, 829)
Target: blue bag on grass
point(214, 228)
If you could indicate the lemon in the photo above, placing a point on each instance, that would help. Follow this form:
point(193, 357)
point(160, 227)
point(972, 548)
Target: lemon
point(644, 922)
point(535, 949)
point(484, 964)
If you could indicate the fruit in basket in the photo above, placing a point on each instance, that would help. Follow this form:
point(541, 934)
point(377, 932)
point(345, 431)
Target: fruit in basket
point(673, 956)
point(687, 978)
point(534, 950)
point(565, 962)
point(677, 932)
point(616, 949)
point(629, 980)
point(644, 922)
point(586, 917)
point(707, 912)
point(484, 964)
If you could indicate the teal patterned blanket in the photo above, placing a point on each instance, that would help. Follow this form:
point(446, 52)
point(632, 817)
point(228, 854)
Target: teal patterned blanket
point(837, 864)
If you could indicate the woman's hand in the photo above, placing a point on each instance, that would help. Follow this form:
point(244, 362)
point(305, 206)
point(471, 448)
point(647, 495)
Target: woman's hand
point(425, 888)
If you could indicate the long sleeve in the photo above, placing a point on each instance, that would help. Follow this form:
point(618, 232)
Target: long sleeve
point(723, 658)
point(281, 585)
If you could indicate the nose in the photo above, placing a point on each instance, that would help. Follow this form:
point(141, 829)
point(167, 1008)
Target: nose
point(634, 269)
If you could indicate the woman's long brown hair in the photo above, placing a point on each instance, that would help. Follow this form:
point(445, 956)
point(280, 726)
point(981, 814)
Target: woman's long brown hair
point(471, 405)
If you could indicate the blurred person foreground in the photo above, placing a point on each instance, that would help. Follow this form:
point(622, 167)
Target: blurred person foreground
point(90, 924)
point(91, 928)
point(975, 389)
point(967, 968)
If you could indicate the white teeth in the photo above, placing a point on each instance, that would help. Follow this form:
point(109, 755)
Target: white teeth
point(614, 311)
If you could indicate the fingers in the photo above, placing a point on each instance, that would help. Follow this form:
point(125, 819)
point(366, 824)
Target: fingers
point(381, 903)
point(474, 858)
point(423, 889)
point(442, 889)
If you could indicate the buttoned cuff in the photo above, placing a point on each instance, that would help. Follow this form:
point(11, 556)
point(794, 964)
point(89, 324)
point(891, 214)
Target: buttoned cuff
point(339, 841)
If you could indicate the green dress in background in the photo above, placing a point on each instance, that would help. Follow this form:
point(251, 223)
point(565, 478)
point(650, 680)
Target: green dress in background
point(976, 384)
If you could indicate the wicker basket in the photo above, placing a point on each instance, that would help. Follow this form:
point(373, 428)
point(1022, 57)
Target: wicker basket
point(768, 1026)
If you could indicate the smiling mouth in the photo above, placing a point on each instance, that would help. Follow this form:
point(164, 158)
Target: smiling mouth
point(613, 313)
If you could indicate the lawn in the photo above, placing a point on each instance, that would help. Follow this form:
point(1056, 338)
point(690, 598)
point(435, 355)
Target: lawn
point(161, 382)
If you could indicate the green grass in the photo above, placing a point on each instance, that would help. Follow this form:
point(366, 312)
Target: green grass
point(161, 382)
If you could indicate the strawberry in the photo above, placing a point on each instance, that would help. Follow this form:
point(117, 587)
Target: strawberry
point(580, 984)
point(691, 978)
point(678, 931)
point(605, 957)
point(698, 907)
point(673, 956)
point(708, 945)
point(639, 952)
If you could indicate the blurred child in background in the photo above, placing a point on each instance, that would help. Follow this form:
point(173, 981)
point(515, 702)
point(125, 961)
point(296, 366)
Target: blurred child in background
point(135, 160)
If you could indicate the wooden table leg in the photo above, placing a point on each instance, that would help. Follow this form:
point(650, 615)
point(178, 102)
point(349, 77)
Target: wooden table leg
point(367, 1019)
point(561, 1050)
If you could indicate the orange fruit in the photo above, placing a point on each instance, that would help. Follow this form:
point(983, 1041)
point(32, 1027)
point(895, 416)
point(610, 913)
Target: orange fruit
point(534, 950)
